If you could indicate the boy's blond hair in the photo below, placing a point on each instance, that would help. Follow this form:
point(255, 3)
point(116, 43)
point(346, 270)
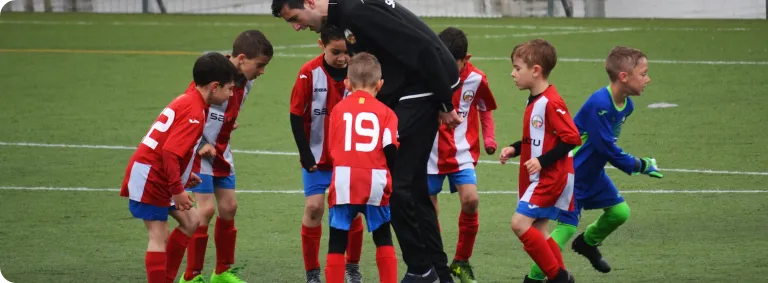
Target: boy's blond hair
point(363, 71)
point(537, 52)
point(622, 59)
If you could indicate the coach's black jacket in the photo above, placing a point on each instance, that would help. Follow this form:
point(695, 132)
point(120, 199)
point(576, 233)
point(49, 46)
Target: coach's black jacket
point(414, 61)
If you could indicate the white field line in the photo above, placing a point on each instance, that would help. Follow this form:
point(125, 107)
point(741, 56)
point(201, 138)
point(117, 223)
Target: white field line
point(660, 191)
point(278, 23)
point(567, 32)
point(569, 60)
point(286, 153)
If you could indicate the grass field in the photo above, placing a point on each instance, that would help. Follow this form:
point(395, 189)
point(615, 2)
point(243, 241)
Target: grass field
point(79, 91)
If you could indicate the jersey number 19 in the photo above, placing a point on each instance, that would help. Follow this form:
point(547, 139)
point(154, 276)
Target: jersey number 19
point(373, 133)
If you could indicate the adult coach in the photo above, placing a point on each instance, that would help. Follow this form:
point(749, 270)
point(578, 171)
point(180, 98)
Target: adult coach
point(419, 76)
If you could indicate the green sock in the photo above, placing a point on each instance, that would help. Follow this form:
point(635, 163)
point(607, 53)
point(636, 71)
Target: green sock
point(608, 222)
point(562, 233)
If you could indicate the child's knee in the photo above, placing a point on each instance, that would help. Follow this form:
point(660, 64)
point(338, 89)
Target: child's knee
point(227, 209)
point(315, 209)
point(382, 236)
point(519, 225)
point(469, 203)
point(619, 214)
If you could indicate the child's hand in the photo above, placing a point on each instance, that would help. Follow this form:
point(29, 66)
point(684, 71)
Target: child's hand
point(193, 181)
point(506, 153)
point(490, 146)
point(234, 126)
point(183, 201)
point(533, 166)
point(207, 151)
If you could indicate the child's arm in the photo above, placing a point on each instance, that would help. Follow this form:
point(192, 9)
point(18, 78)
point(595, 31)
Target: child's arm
point(559, 119)
point(600, 134)
point(485, 104)
point(389, 139)
point(300, 100)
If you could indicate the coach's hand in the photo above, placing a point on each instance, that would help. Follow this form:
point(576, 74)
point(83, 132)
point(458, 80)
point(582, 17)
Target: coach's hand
point(450, 119)
point(207, 151)
point(183, 201)
point(506, 153)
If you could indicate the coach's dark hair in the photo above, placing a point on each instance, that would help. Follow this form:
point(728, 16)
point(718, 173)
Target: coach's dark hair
point(456, 41)
point(252, 44)
point(278, 5)
point(327, 34)
point(213, 67)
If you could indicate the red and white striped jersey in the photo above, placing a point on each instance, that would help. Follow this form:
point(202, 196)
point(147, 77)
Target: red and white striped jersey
point(546, 121)
point(457, 149)
point(218, 131)
point(178, 130)
point(314, 95)
point(361, 127)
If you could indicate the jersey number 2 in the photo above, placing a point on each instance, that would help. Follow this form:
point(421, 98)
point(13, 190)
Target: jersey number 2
point(359, 130)
point(160, 127)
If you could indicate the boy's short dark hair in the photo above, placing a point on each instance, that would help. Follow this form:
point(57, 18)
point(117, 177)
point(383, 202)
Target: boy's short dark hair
point(622, 59)
point(363, 70)
point(327, 34)
point(537, 52)
point(213, 67)
point(456, 41)
point(278, 5)
point(252, 44)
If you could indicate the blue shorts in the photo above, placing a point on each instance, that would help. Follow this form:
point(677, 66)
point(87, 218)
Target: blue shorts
point(601, 194)
point(149, 212)
point(536, 212)
point(317, 182)
point(209, 182)
point(341, 216)
point(463, 177)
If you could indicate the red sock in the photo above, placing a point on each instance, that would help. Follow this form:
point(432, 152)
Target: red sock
point(225, 236)
point(174, 253)
point(334, 268)
point(310, 246)
point(387, 263)
point(556, 251)
point(468, 225)
point(155, 263)
point(196, 252)
point(355, 241)
point(537, 247)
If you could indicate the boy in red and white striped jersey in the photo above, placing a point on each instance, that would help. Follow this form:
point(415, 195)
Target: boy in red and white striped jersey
point(546, 165)
point(362, 145)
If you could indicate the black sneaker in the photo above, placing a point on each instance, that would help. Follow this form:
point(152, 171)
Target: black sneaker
point(531, 280)
point(592, 253)
point(353, 273)
point(563, 277)
point(313, 276)
point(430, 277)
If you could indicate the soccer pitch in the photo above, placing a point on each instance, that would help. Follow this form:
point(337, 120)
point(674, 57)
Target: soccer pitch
point(80, 91)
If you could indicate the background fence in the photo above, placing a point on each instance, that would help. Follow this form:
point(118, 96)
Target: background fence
point(735, 9)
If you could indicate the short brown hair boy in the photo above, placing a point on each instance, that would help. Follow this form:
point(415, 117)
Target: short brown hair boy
point(537, 52)
point(364, 71)
point(622, 59)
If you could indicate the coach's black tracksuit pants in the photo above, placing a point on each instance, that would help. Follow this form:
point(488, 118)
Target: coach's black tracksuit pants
point(413, 215)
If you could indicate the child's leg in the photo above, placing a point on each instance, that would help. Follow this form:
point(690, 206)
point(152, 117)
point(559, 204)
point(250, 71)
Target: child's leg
point(534, 241)
point(560, 235)
point(385, 254)
point(225, 233)
point(543, 225)
point(197, 245)
point(154, 259)
point(609, 221)
point(315, 184)
point(469, 222)
point(179, 239)
point(335, 262)
point(355, 240)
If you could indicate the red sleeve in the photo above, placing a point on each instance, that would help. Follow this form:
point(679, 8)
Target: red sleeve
point(390, 129)
point(336, 131)
point(185, 131)
point(301, 93)
point(486, 101)
point(172, 168)
point(558, 118)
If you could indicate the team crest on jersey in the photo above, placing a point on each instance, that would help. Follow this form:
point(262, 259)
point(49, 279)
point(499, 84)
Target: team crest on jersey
point(468, 96)
point(537, 121)
point(350, 37)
